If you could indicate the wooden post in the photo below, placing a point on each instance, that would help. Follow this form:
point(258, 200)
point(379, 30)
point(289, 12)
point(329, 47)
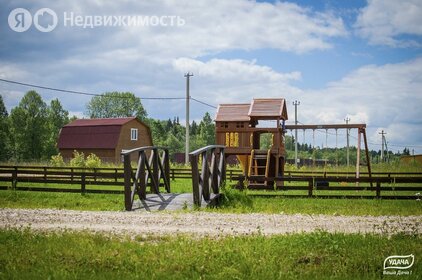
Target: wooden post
point(368, 160)
point(214, 171)
point(358, 159)
point(127, 179)
point(83, 187)
point(142, 175)
point(310, 186)
point(45, 174)
point(15, 178)
point(378, 191)
point(197, 197)
point(167, 168)
point(156, 172)
point(205, 176)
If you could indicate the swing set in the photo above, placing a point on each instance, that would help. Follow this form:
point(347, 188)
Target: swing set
point(361, 129)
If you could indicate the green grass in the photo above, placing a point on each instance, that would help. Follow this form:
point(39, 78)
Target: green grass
point(239, 203)
point(235, 202)
point(74, 201)
point(320, 255)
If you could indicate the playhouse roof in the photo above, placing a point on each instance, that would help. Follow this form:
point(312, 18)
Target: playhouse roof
point(232, 112)
point(259, 109)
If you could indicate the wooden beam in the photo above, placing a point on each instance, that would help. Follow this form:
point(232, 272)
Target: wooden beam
point(325, 126)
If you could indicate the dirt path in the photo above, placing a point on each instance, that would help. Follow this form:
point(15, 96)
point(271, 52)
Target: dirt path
point(202, 223)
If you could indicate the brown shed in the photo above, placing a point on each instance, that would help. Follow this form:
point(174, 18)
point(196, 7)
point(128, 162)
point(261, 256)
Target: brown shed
point(104, 137)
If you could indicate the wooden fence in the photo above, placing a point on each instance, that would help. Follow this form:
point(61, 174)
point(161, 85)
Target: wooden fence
point(111, 180)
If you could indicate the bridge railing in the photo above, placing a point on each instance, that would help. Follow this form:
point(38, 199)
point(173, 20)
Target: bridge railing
point(212, 174)
point(153, 165)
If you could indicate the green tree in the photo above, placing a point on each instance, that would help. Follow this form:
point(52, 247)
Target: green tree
point(4, 132)
point(116, 105)
point(57, 118)
point(207, 129)
point(28, 126)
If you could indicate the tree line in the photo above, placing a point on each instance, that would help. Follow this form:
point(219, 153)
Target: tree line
point(30, 132)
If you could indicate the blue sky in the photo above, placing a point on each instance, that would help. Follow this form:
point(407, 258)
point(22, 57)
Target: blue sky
point(360, 59)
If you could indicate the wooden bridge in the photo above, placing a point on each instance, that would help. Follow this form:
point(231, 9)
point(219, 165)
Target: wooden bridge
point(153, 169)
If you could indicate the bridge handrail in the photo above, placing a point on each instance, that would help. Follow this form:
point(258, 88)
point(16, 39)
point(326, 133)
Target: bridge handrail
point(212, 174)
point(153, 169)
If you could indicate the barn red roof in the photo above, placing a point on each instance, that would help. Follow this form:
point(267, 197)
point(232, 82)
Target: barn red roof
point(92, 133)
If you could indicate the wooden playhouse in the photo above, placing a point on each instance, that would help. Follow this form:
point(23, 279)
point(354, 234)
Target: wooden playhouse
point(258, 146)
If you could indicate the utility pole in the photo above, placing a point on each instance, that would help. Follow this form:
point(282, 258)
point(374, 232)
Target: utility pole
point(347, 119)
point(296, 103)
point(382, 144)
point(187, 75)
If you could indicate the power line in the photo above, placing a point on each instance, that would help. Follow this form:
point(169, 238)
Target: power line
point(203, 103)
point(49, 88)
point(85, 93)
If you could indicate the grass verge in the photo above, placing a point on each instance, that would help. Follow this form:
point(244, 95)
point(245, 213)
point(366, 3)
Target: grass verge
point(235, 202)
point(320, 255)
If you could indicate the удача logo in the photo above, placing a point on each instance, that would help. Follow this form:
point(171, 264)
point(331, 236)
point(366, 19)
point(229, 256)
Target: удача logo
point(399, 262)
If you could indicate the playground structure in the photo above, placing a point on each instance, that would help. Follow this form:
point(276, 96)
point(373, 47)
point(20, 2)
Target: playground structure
point(237, 128)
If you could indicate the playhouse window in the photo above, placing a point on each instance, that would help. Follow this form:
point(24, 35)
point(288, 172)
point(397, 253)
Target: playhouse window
point(134, 134)
point(239, 124)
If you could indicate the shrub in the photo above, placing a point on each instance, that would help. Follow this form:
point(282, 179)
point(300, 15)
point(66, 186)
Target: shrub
point(78, 159)
point(57, 160)
point(93, 161)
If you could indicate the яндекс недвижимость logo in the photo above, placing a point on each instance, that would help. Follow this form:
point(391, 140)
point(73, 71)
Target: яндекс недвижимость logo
point(20, 20)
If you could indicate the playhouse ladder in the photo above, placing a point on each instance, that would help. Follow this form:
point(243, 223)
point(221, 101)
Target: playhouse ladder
point(259, 167)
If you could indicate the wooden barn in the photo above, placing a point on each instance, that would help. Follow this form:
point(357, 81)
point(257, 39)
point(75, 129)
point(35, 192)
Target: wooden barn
point(105, 138)
point(238, 128)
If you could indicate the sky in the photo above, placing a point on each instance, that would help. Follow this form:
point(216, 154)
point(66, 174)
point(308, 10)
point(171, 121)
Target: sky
point(356, 59)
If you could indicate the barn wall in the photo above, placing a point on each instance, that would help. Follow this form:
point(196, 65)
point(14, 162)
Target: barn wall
point(124, 143)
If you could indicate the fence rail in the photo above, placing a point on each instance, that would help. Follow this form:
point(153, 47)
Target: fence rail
point(112, 179)
point(396, 184)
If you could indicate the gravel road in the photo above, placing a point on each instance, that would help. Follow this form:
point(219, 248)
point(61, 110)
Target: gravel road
point(201, 223)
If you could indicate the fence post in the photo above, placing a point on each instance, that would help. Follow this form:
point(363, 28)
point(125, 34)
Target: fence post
point(45, 174)
point(310, 186)
point(83, 189)
point(15, 178)
point(378, 190)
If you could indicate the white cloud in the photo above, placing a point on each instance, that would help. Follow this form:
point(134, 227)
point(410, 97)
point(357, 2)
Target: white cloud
point(383, 21)
point(384, 97)
point(223, 81)
point(209, 29)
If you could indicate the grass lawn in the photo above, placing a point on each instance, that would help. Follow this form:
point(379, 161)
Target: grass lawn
point(235, 202)
point(320, 255)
